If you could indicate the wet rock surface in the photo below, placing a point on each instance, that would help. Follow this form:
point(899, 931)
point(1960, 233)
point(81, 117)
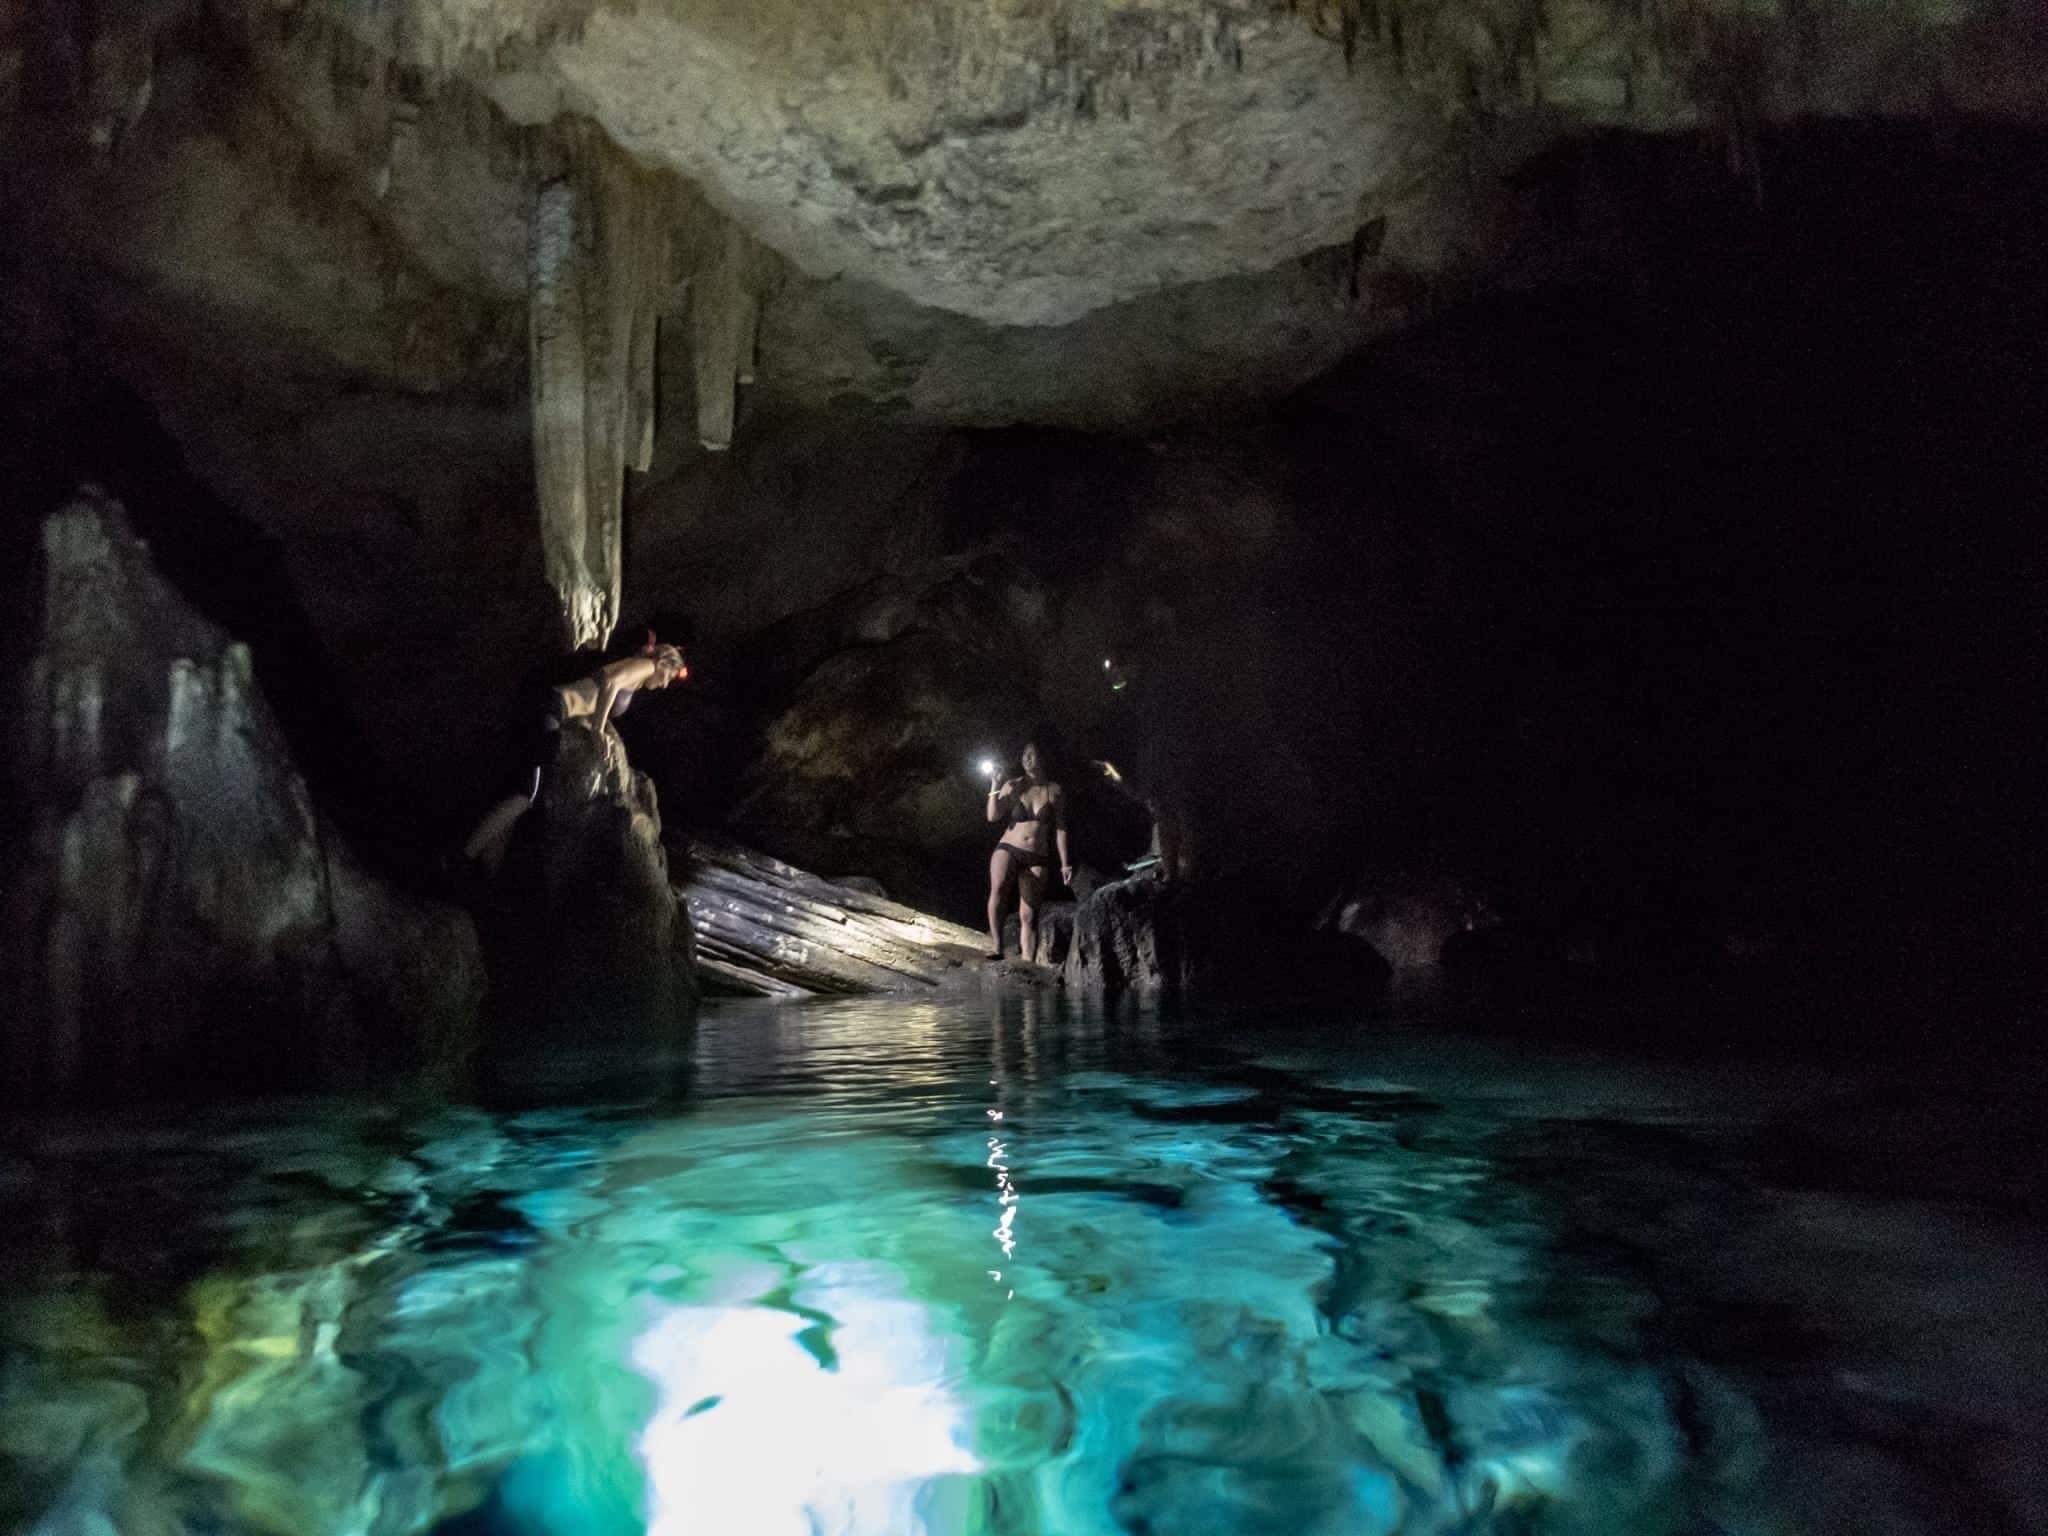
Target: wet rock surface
point(177, 909)
point(1055, 934)
point(586, 937)
point(1133, 938)
point(766, 929)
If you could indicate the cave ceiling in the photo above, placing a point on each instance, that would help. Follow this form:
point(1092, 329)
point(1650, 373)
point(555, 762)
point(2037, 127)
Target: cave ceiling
point(1091, 212)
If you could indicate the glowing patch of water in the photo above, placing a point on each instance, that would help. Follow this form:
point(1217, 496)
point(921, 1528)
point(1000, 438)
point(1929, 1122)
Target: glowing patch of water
point(758, 1430)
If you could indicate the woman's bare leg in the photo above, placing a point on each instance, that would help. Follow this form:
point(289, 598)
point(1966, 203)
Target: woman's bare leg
point(1030, 887)
point(1000, 865)
point(487, 843)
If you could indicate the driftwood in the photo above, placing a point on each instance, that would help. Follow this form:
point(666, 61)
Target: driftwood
point(768, 929)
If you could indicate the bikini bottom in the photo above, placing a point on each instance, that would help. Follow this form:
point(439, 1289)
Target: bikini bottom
point(1039, 864)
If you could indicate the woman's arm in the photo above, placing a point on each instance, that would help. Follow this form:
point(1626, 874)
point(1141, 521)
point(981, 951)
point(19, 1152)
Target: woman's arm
point(1118, 782)
point(1058, 802)
point(998, 797)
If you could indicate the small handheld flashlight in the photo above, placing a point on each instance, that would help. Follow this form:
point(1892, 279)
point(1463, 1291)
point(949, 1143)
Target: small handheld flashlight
point(988, 766)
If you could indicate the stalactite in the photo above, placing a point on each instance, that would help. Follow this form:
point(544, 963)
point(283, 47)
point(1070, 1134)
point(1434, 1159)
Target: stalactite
point(597, 275)
point(556, 341)
point(725, 313)
point(641, 395)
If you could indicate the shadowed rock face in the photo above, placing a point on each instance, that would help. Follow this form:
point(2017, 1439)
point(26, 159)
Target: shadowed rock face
point(178, 909)
point(1151, 941)
point(1133, 939)
point(587, 938)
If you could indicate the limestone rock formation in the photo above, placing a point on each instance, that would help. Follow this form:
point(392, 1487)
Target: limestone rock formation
point(1132, 939)
point(587, 939)
point(1407, 918)
point(1098, 209)
point(406, 280)
point(1025, 164)
point(1158, 942)
point(178, 907)
point(1054, 936)
point(413, 963)
point(868, 765)
point(764, 928)
point(597, 262)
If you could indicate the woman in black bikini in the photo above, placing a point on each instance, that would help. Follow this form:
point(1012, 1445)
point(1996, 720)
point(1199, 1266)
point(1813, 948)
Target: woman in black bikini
point(1036, 810)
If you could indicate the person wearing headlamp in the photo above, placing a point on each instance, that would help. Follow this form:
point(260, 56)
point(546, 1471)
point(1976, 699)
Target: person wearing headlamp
point(597, 692)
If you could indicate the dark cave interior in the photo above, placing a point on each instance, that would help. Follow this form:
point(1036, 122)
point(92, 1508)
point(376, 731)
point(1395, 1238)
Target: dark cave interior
point(1703, 588)
point(1541, 507)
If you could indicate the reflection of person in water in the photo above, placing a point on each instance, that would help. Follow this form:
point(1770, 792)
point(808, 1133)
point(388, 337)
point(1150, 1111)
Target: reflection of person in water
point(1036, 812)
point(599, 693)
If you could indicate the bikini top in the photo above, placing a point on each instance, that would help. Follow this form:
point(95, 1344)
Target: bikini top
point(1021, 814)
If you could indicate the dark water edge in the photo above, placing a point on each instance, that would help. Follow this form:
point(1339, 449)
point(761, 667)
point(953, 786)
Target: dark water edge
point(1460, 1266)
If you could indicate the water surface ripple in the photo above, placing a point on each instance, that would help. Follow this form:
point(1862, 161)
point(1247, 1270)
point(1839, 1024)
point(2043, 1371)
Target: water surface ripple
point(1000, 1267)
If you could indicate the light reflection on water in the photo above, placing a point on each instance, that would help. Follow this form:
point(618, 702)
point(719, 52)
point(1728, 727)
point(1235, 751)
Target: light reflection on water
point(891, 1268)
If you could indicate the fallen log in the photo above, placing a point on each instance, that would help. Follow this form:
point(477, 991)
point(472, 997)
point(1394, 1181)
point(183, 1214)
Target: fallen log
point(769, 929)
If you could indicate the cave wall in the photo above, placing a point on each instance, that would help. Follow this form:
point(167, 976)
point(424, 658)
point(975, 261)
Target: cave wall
point(1543, 600)
point(176, 909)
point(1378, 618)
point(1600, 605)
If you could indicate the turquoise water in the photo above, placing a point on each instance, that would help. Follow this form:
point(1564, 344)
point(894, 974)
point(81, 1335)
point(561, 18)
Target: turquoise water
point(997, 1267)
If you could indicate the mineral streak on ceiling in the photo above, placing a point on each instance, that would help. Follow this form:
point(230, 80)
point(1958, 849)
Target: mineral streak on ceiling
point(1024, 162)
point(1087, 211)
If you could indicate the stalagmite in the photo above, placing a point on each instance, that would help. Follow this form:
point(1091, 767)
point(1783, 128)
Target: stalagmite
point(597, 274)
point(178, 906)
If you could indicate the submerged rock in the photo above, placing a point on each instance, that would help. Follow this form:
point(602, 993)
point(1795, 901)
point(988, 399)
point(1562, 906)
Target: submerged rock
point(177, 907)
